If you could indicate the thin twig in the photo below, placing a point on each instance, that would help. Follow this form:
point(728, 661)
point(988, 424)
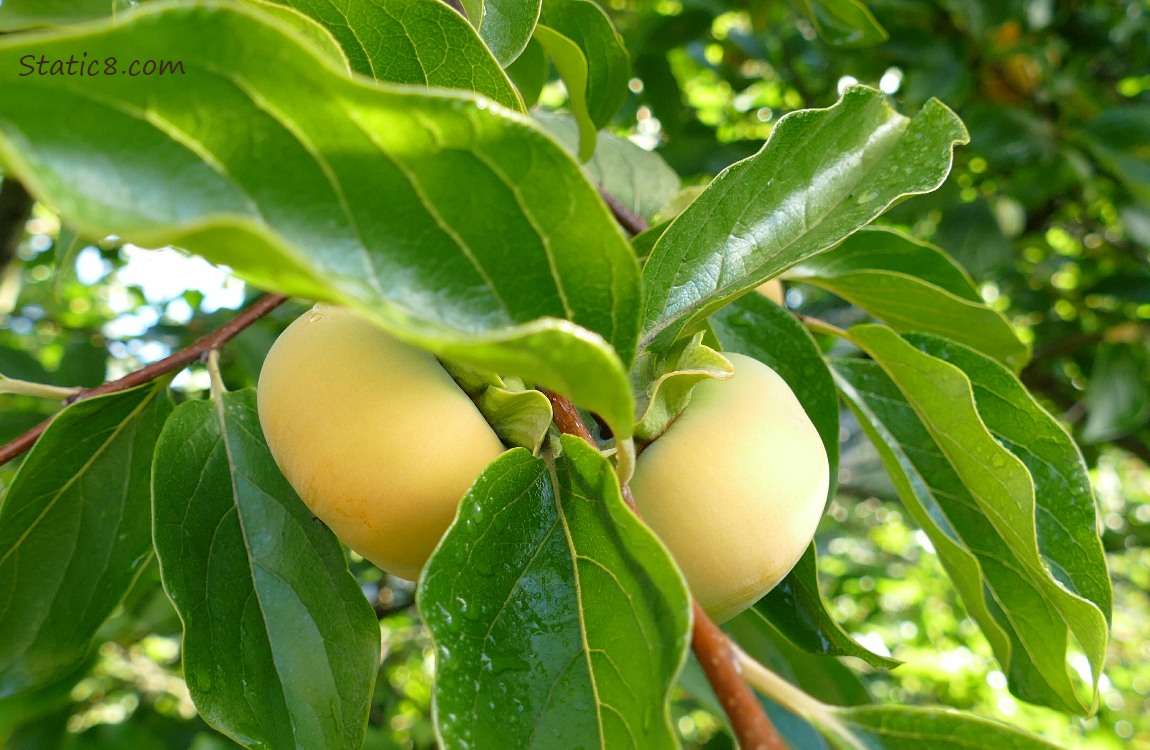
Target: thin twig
point(628, 219)
point(173, 363)
point(752, 728)
point(457, 6)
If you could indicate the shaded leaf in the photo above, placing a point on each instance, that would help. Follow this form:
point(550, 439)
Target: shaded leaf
point(638, 178)
point(1118, 393)
point(573, 635)
point(913, 286)
point(75, 532)
point(422, 42)
point(529, 72)
point(797, 608)
point(845, 23)
point(315, 185)
point(280, 646)
point(821, 176)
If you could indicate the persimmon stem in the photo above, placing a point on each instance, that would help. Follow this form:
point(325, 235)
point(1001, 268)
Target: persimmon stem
point(177, 361)
point(793, 699)
point(712, 648)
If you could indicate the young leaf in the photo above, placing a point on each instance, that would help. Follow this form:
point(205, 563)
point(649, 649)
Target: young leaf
point(422, 42)
point(75, 532)
point(913, 286)
point(266, 158)
point(638, 178)
point(821, 176)
point(280, 646)
point(504, 25)
point(591, 59)
point(572, 635)
point(991, 448)
point(844, 23)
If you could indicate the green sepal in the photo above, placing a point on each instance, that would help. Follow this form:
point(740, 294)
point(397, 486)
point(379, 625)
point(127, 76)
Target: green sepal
point(672, 379)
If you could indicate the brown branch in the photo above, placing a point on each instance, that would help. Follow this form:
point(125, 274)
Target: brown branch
point(457, 6)
point(173, 363)
point(628, 219)
point(752, 728)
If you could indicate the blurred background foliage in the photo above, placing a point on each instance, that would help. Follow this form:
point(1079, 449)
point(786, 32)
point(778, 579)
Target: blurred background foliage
point(1048, 209)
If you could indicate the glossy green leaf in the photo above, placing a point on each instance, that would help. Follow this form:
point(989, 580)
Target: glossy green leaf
point(638, 178)
point(421, 42)
point(1118, 393)
point(845, 23)
point(280, 646)
point(572, 635)
point(822, 175)
point(590, 58)
point(913, 728)
point(505, 25)
point(23, 14)
point(75, 532)
point(265, 158)
point(1003, 480)
point(913, 286)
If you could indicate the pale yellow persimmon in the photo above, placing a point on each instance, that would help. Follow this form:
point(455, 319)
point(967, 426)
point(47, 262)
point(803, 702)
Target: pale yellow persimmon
point(735, 487)
point(772, 289)
point(373, 434)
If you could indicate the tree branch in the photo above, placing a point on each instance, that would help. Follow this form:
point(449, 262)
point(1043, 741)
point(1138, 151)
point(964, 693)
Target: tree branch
point(628, 219)
point(172, 363)
point(752, 728)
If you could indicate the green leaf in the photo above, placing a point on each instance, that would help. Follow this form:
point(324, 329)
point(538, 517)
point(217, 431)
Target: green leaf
point(75, 532)
point(822, 175)
point(797, 608)
point(1118, 393)
point(266, 158)
point(912, 728)
point(913, 286)
point(529, 72)
point(573, 635)
point(844, 23)
point(590, 58)
point(280, 646)
point(421, 42)
point(638, 178)
point(1000, 478)
point(22, 14)
point(506, 26)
